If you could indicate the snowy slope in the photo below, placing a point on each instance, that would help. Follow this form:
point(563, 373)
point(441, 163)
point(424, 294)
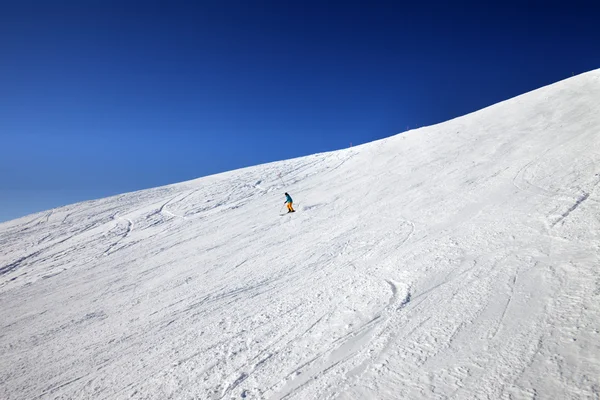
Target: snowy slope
point(456, 261)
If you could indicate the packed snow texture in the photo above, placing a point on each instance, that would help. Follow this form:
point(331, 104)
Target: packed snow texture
point(457, 261)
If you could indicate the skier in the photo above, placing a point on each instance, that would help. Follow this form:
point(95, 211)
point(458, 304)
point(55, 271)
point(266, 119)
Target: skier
point(289, 201)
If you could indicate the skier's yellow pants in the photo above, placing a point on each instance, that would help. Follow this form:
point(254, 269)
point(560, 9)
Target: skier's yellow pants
point(290, 208)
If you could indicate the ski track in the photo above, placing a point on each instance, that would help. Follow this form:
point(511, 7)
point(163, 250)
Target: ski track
point(128, 230)
point(455, 261)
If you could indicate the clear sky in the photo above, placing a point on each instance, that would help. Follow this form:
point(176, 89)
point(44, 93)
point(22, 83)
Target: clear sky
point(100, 97)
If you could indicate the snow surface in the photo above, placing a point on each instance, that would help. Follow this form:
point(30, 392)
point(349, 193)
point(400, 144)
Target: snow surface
point(457, 261)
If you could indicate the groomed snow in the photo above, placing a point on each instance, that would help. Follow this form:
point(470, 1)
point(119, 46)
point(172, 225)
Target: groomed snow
point(457, 261)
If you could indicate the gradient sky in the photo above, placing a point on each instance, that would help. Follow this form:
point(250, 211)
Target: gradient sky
point(103, 97)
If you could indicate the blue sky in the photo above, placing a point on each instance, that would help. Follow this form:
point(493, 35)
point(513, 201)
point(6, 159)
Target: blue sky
point(103, 97)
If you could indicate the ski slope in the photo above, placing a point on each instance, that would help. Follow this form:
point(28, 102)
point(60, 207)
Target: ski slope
point(457, 261)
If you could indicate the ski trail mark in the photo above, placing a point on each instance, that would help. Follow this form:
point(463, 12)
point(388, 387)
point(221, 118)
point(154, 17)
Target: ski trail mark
point(178, 198)
point(241, 378)
point(510, 297)
point(127, 232)
point(17, 263)
point(412, 231)
point(355, 343)
point(65, 218)
point(577, 203)
point(163, 209)
point(54, 389)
